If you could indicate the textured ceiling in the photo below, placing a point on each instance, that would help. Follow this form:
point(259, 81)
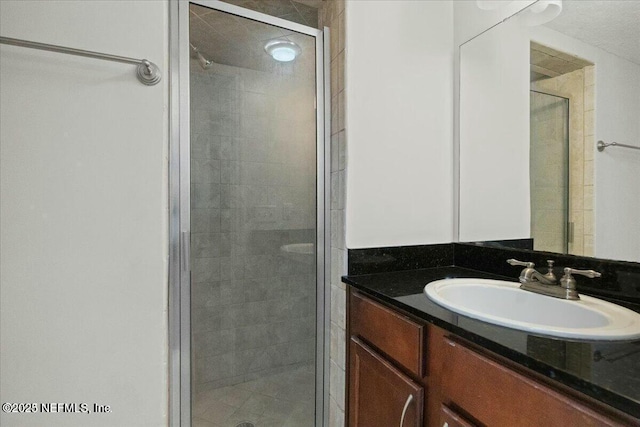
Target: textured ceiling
point(300, 11)
point(611, 25)
point(231, 40)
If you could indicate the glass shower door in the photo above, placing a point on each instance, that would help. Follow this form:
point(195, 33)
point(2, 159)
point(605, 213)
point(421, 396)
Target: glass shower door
point(254, 217)
point(549, 173)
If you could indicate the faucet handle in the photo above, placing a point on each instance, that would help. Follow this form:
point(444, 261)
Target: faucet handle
point(569, 283)
point(589, 273)
point(550, 274)
point(521, 263)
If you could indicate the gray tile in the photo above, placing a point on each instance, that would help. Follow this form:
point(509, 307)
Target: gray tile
point(212, 368)
point(245, 314)
point(212, 343)
point(233, 395)
point(210, 245)
point(229, 148)
point(279, 409)
point(303, 415)
point(218, 412)
point(229, 172)
point(336, 414)
point(337, 384)
point(342, 155)
point(199, 422)
point(253, 337)
point(338, 345)
point(254, 173)
point(205, 294)
point(204, 145)
point(206, 319)
point(232, 292)
point(256, 149)
point(338, 306)
point(205, 196)
point(231, 268)
point(254, 127)
point(241, 416)
point(301, 285)
point(301, 351)
point(205, 220)
point(335, 151)
point(262, 290)
point(254, 104)
point(265, 214)
point(257, 403)
point(289, 308)
point(226, 220)
point(205, 270)
point(205, 171)
point(335, 189)
point(228, 195)
point(224, 124)
point(260, 267)
point(262, 385)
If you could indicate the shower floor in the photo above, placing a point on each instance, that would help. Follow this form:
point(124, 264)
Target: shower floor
point(286, 399)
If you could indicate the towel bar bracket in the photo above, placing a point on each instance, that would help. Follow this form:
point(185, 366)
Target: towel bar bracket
point(147, 72)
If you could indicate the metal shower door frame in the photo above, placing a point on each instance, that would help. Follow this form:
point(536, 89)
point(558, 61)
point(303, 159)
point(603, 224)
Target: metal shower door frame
point(180, 203)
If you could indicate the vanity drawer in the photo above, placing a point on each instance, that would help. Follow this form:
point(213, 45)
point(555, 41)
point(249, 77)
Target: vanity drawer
point(450, 418)
point(493, 394)
point(396, 336)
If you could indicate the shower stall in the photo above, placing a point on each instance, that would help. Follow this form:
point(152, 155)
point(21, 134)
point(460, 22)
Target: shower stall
point(249, 220)
point(549, 173)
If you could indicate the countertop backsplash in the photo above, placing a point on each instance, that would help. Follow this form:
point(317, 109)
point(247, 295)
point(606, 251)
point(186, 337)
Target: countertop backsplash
point(620, 280)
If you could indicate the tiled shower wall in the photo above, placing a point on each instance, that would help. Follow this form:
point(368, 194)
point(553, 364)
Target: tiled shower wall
point(578, 86)
point(253, 191)
point(332, 16)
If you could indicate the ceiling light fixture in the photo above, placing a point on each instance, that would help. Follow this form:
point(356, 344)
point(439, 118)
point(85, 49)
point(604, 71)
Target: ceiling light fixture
point(282, 50)
point(541, 12)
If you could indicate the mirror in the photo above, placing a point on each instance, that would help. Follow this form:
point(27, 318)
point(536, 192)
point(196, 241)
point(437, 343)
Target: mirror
point(535, 99)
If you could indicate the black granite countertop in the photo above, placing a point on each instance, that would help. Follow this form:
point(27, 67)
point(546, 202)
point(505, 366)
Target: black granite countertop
point(606, 371)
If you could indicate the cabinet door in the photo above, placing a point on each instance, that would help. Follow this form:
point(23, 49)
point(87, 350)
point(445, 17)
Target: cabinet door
point(379, 394)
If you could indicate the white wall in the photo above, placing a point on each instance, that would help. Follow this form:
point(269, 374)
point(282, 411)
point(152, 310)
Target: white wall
point(83, 149)
point(617, 170)
point(399, 83)
point(494, 135)
point(471, 20)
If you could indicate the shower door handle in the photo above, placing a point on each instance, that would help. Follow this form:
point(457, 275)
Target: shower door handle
point(184, 250)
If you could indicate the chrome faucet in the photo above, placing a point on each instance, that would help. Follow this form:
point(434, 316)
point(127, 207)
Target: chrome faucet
point(546, 284)
point(531, 275)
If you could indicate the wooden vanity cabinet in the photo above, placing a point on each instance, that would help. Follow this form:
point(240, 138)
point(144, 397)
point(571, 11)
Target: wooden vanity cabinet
point(386, 363)
point(453, 383)
point(382, 394)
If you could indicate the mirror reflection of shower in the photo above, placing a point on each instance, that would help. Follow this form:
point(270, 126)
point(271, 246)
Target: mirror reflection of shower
point(204, 62)
point(561, 137)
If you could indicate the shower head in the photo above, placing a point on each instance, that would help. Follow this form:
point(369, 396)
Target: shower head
point(204, 62)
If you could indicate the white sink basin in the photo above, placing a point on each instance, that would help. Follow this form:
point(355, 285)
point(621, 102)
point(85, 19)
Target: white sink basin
point(504, 303)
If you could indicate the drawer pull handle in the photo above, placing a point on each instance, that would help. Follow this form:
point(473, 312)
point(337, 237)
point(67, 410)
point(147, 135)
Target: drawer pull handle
point(446, 424)
point(404, 410)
